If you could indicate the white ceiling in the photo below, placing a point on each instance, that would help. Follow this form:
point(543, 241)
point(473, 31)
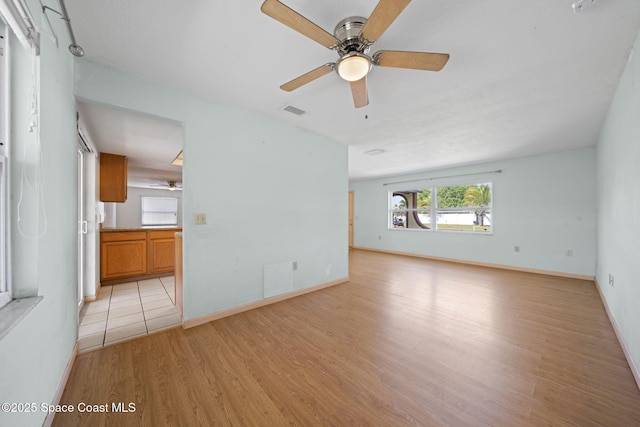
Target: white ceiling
point(524, 78)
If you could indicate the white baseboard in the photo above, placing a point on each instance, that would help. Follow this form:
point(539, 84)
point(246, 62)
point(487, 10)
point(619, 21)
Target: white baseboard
point(186, 324)
point(623, 344)
point(91, 298)
point(63, 383)
point(481, 264)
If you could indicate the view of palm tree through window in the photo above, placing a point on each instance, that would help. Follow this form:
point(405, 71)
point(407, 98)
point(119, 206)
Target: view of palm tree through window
point(466, 208)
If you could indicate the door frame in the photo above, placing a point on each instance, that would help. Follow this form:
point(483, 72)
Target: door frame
point(351, 209)
point(82, 224)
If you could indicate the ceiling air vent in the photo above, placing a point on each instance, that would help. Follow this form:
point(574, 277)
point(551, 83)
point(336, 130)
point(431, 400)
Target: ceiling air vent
point(294, 110)
point(375, 152)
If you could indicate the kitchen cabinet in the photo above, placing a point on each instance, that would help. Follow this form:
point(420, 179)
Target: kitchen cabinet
point(136, 254)
point(113, 178)
point(123, 254)
point(161, 251)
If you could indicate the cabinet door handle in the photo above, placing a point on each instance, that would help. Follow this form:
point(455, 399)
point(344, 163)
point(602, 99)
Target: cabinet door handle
point(85, 227)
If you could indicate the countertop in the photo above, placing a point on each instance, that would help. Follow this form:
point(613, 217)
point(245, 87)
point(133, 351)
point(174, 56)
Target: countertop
point(120, 230)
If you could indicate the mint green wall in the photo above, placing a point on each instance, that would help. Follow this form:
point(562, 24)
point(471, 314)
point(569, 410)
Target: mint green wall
point(544, 204)
point(34, 354)
point(272, 192)
point(619, 206)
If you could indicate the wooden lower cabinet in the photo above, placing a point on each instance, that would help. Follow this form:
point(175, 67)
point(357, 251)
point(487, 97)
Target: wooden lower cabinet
point(161, 251)
point(135, 255)
point(119, 259)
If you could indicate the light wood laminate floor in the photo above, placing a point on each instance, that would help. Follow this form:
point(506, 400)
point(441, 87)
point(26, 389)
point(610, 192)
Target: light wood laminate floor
point(406, 341)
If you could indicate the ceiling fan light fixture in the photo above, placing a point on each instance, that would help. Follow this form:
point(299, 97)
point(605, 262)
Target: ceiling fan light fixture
point(353, 66)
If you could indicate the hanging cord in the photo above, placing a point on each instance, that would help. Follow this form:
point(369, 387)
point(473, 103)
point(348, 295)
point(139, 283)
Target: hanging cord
point(37, 182)
point(49, 32)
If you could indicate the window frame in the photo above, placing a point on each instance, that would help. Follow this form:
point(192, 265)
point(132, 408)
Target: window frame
point(18, 32)
point(5, 128)
point(435, 211)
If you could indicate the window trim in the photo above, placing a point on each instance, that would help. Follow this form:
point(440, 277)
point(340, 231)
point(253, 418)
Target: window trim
point(12, 311)
point(5, 129)
point(5, 283)
point(18, 17)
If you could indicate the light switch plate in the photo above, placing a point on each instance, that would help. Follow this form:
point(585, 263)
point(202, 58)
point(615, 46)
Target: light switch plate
point(199, 218)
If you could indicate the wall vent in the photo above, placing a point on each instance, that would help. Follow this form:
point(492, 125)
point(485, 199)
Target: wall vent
point(294, 110)
point(375, 152)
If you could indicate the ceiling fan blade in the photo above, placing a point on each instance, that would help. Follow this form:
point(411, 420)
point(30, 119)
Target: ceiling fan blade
point(414, 60)
point(382, 16)
point(307, 77)
point(295, 21)
point(359, 92)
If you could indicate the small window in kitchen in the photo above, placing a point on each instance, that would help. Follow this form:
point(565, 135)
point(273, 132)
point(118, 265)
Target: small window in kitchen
point(159, 211)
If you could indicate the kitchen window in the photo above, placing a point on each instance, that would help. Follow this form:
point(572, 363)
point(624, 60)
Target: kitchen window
point(457, 208)
point(159, 212)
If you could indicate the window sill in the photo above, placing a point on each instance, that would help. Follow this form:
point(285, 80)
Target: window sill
point(429, 230)
point(12, 313)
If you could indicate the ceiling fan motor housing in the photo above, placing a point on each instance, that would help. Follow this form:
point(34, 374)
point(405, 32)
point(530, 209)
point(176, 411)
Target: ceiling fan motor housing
point(354, 63)
point(348, 32)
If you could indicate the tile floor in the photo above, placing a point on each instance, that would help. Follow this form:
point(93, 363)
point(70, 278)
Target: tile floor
point(128, 310)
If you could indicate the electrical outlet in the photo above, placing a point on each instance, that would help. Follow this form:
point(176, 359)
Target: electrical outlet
point(569, 252)
point(516, 248)
point(200, 218)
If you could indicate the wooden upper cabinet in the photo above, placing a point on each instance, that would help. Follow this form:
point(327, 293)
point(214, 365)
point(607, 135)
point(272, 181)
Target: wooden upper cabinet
point(113, 178)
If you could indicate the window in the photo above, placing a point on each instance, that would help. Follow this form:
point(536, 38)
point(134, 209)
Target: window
point(159, 212)
point(460, 208)
point(17, 36)
point(5, 295)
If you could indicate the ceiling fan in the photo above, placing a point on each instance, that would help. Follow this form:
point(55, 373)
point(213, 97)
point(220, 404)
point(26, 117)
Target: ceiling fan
point(352, 40)
point(170, 185)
